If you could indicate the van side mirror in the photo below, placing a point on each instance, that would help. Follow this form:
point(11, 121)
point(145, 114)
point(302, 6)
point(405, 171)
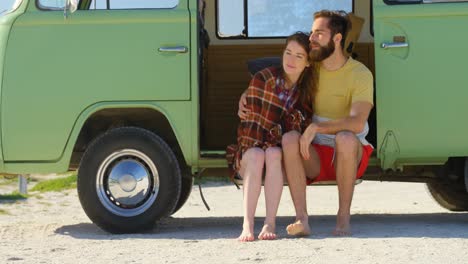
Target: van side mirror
point(70, 7)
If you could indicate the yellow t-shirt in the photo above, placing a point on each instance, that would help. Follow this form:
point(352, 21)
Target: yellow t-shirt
point(337, 90)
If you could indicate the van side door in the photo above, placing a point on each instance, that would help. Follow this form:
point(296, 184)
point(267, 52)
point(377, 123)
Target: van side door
point(421, 80)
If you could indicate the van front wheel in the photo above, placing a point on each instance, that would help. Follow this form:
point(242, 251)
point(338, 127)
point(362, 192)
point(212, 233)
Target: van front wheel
point(128, 179)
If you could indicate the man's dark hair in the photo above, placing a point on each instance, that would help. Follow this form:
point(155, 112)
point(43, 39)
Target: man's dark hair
point(338, 22)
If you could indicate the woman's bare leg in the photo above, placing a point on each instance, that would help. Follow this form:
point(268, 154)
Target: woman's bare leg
point(251, 172)
point(273, 190)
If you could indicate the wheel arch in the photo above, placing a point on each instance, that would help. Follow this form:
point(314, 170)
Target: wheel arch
point(101, 117)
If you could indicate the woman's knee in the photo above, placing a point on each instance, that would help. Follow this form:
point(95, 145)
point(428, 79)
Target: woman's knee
point(254, 156)
point(274, 165)
point(273, 155)
point(290, 139)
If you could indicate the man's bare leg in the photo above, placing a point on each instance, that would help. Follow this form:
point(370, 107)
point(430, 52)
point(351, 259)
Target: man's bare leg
point(296, 171)
point(348, 154)
point(251, 172)
point(273, 189)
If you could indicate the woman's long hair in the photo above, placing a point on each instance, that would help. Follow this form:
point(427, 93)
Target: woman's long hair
point(308, 80)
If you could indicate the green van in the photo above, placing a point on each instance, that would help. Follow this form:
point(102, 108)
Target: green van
point(141, 95)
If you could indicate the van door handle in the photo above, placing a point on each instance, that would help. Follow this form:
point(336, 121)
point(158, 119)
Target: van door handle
point(392, 45)
point(176, 49)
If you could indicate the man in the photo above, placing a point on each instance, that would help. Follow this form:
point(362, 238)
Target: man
point(339, 150)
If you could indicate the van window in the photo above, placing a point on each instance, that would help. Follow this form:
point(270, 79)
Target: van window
point(98, 4)
point(133, 4)
point(51, 4)
point(8, 5)
point(113, 4)
point(270, 18)
point(396, 2)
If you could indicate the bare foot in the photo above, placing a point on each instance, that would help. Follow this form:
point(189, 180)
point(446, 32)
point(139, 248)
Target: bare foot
point(298, 228)
point(267, 233)
point(343, 227)
point(246, 235)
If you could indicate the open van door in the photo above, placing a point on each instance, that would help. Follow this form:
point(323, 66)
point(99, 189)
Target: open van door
point(421, 79)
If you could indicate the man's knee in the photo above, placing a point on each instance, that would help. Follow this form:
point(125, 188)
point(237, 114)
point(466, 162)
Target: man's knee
point(290, 139)
point(273, 155)
point(254, 156)
point(346, 141)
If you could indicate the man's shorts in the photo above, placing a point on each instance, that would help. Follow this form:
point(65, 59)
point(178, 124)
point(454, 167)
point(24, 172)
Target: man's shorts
point(327, 168)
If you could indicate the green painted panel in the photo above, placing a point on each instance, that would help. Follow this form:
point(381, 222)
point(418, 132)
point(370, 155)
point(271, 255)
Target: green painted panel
point(422, 95)
point(195, 83)
point(179, 115)
point(6, 21)
point(55, 68)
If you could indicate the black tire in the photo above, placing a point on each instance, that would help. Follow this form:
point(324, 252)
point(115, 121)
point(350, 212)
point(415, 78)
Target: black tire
point(128, 179)
point(449, 189)
point(187, 183)
point(450, 196)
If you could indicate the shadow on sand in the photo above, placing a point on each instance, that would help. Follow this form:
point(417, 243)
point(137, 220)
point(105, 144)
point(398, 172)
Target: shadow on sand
point(432, 225)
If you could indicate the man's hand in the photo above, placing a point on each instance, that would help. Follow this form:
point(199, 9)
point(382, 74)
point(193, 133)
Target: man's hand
point(243, 112)
point(306, 140)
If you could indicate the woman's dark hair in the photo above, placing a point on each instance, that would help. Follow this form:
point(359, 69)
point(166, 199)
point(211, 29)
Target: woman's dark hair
point(308, 80)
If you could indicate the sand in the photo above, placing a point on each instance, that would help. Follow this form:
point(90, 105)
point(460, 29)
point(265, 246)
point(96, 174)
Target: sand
point(391, 223)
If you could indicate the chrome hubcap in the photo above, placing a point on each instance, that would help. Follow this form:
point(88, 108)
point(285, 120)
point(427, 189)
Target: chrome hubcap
point(127, 182)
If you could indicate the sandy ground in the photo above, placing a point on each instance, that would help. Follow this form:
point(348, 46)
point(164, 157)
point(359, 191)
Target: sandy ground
point(392, 223)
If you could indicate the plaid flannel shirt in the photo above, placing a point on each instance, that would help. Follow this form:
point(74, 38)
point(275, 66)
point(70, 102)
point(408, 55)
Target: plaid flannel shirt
point(268, 118)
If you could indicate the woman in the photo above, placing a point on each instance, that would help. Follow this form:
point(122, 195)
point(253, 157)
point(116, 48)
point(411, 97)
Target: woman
point(279, 101)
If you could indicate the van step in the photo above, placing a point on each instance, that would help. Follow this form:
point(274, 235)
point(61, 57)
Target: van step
point(213, 154)
point(239, 181)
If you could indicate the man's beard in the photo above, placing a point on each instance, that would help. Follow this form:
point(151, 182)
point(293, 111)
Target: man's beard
point(323, 52)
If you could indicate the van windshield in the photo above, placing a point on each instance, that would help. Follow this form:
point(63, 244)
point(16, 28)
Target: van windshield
point(8, 5)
